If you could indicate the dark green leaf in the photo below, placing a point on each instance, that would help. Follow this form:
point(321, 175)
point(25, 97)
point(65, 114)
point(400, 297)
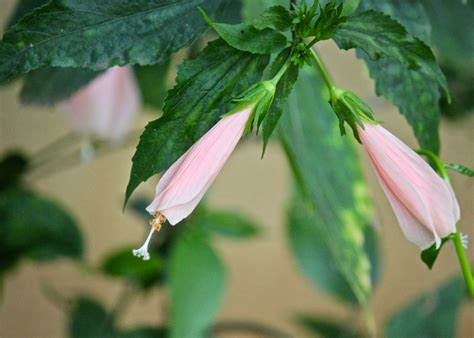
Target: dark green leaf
point(12, 167)
point(143, 332)
point(415, 92)
point(254, 8)
point(335, 210)
point(379, 36)
point(452, 24)
point(247, 38)
point(431, 315)
point(89, 319)
point(152, 81)
point(277, 17)
point(460, 169)
point(349, 7)
point(98, 35)
point(327, 328)
point(36, 227)
point(203, 93)
point(283, 90)
point(462, 92)
point(197, 281)
point(50, 85)
point(22, 8)
point(229, 224)
point(123, 264)
point(429, 256)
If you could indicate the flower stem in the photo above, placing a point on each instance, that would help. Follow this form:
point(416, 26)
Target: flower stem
point(464, 263)
point(436, 161)
point(322, 70)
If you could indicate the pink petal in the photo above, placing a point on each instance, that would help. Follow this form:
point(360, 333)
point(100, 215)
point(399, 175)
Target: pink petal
point(186, 181)
point(107, 106)
point(417, 188)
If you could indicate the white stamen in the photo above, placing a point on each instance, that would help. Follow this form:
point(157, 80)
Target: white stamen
point(464, 240)
point(143, 250)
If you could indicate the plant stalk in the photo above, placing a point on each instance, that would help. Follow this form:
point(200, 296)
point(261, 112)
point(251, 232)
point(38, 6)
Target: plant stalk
point(464, 263)
point(322, 70)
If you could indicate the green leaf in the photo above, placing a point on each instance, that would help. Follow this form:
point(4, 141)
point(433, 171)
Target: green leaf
point(276, 17)
point(252, 9)
point(123, 264)
point(247, 38)
point(152, 81)
point(227, 223)
point(36, 228)
point(452, 24)
point(143, 332)
point(415, 92)
point(431, 315)
point(203, 92)
point(460, 169)
point(22, 8)
point(98, 35)
point(89, 319)
point(13, 166)
point(283, 90)
point(197, 281)
point(334, 209)
point(349, 7)
point(327, 328)
point(50, 85)
point(429, 256)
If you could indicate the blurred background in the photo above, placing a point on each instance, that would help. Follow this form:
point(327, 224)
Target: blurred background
point(264, 284)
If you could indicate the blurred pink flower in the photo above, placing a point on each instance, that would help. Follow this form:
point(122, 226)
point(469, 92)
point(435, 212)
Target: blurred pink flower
point(424, 204)
point(184, 184)
point(106, 107)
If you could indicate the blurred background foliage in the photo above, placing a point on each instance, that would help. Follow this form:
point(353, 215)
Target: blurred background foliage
point(330, 215)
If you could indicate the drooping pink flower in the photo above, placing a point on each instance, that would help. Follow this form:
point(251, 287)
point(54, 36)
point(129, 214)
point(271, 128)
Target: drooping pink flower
point(424, 203)
point(106, 107)
point(184, 184)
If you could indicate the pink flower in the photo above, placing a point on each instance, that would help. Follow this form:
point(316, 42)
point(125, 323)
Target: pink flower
point(106, 107)
point(424, 204)
point(184, 184)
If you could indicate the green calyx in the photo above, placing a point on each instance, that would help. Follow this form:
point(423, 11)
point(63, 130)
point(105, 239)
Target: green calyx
point(259, 97)
point(350, 109)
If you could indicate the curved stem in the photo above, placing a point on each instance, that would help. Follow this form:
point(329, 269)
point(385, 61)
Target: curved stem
point(322, 70)
point(464, 263)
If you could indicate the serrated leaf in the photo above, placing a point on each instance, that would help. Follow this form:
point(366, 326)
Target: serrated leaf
point(226, 223)
point(37, 228)
point(327, 328)
point(283, 90)
point(247, 38)
point(332, 186)
point(203, 93)
point(460, 169)
point(51, 85)
point(13, 166)
point(277, 17)
point(429, 256)
point(98, 35)
point(123, 264)
point(431, 315)
point(415, 92)
point(152, 81)
point(197, 281)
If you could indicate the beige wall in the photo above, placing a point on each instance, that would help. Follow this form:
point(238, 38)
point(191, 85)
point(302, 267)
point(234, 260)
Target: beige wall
point(265, 284)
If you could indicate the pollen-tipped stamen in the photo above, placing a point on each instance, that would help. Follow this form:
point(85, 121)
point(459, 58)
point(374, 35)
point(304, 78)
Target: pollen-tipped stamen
point(155, 223)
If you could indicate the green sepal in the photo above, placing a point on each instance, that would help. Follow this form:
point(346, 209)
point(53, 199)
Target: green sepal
point(260, 96)
point(429, 256)
point(350, 109)
point(460, 169)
